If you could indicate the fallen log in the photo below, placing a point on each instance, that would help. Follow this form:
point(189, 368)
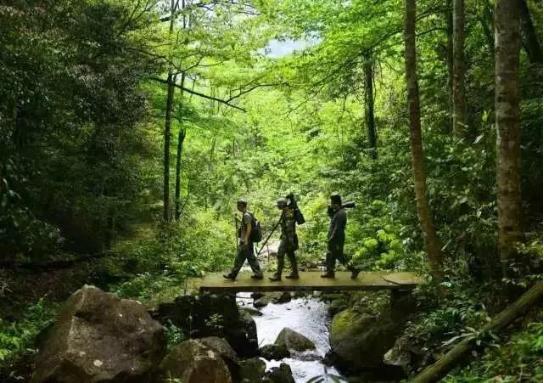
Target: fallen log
point(440, 368)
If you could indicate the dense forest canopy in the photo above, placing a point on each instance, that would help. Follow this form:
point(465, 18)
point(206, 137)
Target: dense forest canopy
point(128, 130)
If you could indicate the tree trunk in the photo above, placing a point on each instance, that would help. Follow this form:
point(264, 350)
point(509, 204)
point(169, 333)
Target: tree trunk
point(181, 138)
point(449, 58)
point(171, 81)
point(167, 136)
point(459, 67)
point(432, 243)
point(369, 106)
point(440, 368)
point(507, 117)
point(530, 40)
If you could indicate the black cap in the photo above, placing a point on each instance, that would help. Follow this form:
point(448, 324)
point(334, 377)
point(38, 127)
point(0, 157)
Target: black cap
point(336, 199)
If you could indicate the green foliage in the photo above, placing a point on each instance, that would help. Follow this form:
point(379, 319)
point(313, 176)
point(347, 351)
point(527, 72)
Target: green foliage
point(71, 115)
point(174, 335)
point(19, 337)
point(520, 360)
point(178, 250)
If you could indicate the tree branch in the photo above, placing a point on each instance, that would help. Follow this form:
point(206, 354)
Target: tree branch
point(225, 102)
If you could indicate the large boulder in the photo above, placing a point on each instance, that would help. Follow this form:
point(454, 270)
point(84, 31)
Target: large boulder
point(225, 351)
point(221, 346)
point(243, 338)
point(261, 302)
point(408, 355)
point(360, 340)
point(281, 374)
point(192, 362)
point(212, 315)
point(292, 340)
point(252, 370)
point(99, 337)
point(274, 352)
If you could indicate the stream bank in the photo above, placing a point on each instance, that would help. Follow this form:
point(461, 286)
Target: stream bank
point(212, 338)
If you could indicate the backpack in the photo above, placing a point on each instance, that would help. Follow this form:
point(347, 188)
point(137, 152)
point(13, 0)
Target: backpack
point(256, 234)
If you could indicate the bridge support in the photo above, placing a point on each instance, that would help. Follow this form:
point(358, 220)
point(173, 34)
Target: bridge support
point(402, 303)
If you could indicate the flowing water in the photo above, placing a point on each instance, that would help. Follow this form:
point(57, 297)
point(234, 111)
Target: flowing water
point(307, 316)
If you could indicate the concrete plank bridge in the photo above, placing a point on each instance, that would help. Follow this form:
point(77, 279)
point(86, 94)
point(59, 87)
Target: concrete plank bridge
point(309, 281)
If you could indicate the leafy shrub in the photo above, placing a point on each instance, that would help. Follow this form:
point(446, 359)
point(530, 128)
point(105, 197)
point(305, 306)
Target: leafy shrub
point(19, 337)
point(520, 360)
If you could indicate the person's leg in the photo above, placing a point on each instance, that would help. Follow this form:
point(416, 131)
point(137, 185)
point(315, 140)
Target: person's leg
point(239, 260)
point(330, 262)
point(253, 262)
point(281, 262)
point(347, 262)
point(293, 261)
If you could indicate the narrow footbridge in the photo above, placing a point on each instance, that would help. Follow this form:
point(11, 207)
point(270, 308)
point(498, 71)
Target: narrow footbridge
point(309, 281)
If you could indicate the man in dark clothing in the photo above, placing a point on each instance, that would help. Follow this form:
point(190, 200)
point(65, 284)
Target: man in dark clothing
point(245, 247)
point(336, 238)
point(288, 241)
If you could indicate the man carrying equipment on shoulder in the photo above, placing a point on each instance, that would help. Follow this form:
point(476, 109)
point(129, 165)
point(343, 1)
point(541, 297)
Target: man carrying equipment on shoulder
point(245, 247)
point(336, 238)
point(288, 241)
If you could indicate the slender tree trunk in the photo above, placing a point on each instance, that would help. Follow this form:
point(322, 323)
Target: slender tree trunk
point(181, 138)
point(507, 117)
point(432, 242)
point(449, 58)
point(171, 81)
point(167, 137)
point(531, 44)
point(369, 106)
point(459, 67)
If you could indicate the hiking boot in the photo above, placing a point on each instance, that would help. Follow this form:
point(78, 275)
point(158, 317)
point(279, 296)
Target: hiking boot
point(230, 277)
point(292, 276)
point(257, 276)
point(275, 278)
point(328, 274)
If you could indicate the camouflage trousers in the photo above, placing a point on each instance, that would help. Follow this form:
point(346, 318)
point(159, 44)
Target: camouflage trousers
point(246, 252)
point(283, 250)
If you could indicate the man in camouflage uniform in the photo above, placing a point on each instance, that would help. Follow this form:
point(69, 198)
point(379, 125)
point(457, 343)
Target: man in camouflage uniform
point(336, 238)
point(288, 241)
point(245, 247)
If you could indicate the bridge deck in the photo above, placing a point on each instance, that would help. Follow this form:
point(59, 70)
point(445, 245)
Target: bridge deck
point(310, 280)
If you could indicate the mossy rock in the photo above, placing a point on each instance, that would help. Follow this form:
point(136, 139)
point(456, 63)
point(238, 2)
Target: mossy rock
point(292, 340)
point(360, 340)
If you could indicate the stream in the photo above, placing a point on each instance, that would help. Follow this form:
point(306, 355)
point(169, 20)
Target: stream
point(307, 316)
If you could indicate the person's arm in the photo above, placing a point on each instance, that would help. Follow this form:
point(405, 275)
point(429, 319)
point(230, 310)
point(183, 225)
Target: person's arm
point(334, 224)
point(245, 240)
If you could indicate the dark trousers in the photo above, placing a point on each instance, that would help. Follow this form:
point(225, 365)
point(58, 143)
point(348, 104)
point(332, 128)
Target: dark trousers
point(246, 252)
point(284, 249)
point(335, 252)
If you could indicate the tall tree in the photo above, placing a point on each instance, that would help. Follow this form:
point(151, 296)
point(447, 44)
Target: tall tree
point(368, 70)
point(170, 85)
point(507, 117)
point(449, 56)
point(458, 67)
point(432, 243)
point(531, 44)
